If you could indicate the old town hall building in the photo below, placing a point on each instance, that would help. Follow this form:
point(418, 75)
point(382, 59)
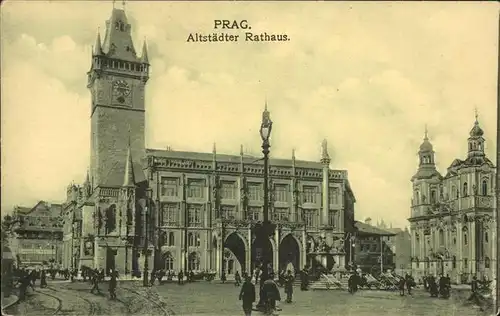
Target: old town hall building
point(189, 210)
point(452, 215)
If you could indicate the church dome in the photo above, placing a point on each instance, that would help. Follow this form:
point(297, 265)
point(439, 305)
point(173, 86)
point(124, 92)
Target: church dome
point(426, 145)
point(476, 131)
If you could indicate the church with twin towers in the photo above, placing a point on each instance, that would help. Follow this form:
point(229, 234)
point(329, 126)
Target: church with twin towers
point(190, 211)
point(452, 218)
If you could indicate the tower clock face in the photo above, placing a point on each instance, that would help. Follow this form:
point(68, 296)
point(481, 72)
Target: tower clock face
point(121, 89)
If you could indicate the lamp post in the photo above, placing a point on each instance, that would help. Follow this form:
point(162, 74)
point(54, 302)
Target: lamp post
point(267, 228)
point(146, 207)
point(223, 237)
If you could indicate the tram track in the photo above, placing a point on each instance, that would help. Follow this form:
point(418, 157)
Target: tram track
point(93, 306)
point(165, 311)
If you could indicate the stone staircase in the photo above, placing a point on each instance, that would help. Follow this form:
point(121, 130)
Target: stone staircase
point(329, 282)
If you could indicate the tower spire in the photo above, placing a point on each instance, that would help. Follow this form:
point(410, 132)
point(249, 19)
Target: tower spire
point(426, 136)
point(325, 157)
point(144, 55)
point(129, 178)
point(98, 47)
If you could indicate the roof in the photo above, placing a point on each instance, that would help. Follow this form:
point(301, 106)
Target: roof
point(118, 40)
point(42, 208)
point(369, 230)
point(247, 159)
point(427, 173)
point(116, 174)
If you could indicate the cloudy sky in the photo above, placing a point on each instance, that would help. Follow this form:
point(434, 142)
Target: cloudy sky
point(365, 76)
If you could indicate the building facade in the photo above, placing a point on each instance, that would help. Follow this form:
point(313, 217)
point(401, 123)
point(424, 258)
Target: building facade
point(372, 250)
point(38, 234)
point(400, 245)
point(190, 210)
point(452, 215)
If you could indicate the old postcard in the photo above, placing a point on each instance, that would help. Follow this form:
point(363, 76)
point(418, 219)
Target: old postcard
point(244, 157)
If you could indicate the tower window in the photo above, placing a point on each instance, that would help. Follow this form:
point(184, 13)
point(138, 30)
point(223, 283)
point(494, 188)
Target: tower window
point(433, 196)
point(487, 263)
point(486, 237)
point(465, 189)
point(484, 188)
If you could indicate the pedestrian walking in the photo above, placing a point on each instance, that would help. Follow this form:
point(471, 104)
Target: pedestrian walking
point(95, 283)
point(153, 278)
point(401, 286)
point(112, 285)
point(289, 280)
point(247, 296)
point(180, 278)
point(43, 279)
point(237, 279)
point(271, 294)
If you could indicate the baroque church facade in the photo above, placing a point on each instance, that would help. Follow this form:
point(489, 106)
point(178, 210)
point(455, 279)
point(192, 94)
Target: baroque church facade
point(190, 210)
point(452, 215)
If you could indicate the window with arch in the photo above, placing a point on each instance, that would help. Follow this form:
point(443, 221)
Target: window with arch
point(169, 261)
point(194, 240)
point(487, 263)
point(441, 237)
point(484, 187)
point(465, 189)
point(417, 197)
point(193, 262)
point(454, 241)
point(465, 230)
point(171, 239)
point(433, 196)
point(466, 264)
point(454, 262)
point(486, 237)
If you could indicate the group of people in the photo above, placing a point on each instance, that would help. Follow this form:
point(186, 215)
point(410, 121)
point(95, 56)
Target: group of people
point(269, 292)
point(27, 279)
point(437, 287)
point(408, 282)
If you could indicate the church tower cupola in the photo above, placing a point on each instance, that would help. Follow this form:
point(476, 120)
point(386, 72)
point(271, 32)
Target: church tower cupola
point(426, 152)
point(427, 164)
point(476, 141)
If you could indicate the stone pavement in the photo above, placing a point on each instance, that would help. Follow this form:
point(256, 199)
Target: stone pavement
point(214, 298)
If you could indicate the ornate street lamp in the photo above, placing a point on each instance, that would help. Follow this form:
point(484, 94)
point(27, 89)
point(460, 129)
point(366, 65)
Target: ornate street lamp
point(264, 230)
point(146, 206)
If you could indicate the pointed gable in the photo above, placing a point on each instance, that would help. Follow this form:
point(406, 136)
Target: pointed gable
point(118, 39)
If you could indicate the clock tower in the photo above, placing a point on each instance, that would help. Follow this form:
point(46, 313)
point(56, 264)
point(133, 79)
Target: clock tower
point(116, 80)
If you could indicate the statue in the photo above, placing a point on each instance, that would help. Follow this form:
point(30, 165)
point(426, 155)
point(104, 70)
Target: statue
point(424, 198)
point(474, 189)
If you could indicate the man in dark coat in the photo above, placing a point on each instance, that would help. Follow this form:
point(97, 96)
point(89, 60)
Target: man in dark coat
point(304, 279)
point(112, 285)
point(95, 282)
point(237, 279)
point(247, 295)
point(43, 279)
point(289, 280)
point(401, 287)
point(180, 277)
point(272, 294)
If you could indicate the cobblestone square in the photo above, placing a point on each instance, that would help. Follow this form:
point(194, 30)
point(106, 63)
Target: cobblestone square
point(203, 298)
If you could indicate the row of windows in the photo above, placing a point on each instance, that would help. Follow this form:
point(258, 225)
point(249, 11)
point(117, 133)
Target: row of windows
point(193, 261)
point(168, 239)
point(427, 263)
point(170, 215)
point(196, 189)
point(455, 193)
point(465, 239)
